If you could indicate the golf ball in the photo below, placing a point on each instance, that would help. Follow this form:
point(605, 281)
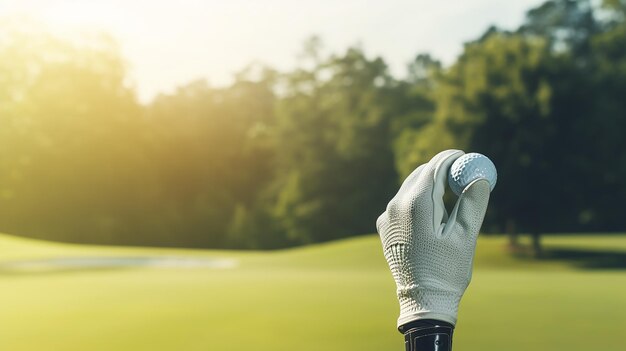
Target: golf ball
point(469, 168)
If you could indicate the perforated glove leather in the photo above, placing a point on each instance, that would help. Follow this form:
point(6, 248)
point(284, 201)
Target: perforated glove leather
point(430, 253)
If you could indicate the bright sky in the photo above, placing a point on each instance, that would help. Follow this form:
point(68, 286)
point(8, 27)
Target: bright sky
point(169, 43)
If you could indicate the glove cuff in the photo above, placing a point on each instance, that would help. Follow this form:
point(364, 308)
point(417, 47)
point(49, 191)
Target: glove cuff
point(418, 304)
point(405, 319)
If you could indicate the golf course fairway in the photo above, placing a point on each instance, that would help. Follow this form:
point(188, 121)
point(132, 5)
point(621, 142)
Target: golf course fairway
point(334, 296)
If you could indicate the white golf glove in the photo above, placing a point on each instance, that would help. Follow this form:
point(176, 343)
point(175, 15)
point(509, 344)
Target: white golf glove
point(430, 253)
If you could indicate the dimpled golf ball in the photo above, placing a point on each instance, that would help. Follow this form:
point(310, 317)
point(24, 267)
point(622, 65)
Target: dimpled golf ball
point(469, 168)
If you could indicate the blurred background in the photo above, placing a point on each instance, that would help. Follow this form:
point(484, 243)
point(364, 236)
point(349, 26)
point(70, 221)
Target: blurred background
point(155, 154)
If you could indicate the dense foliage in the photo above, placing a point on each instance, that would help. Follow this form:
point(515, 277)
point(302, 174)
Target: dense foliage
point(287, 158)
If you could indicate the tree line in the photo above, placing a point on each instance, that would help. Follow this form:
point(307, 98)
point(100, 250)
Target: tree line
point(313, 154)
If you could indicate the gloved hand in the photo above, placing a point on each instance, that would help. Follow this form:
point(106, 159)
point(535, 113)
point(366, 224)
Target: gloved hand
point(430, 253)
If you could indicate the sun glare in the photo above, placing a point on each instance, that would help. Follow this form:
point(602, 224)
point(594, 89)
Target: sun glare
point(170, 43)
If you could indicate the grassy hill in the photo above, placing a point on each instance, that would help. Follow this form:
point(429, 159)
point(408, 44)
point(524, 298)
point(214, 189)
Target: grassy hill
point(334, 296)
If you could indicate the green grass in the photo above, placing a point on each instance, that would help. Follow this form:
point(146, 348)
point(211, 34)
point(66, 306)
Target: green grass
point(336, 296)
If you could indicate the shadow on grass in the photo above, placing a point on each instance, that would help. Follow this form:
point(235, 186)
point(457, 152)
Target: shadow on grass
point(587, 259)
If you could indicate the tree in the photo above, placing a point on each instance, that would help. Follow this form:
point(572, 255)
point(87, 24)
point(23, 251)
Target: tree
point(494, 100)
point(334, 151)
point(414, 108)
point(605, 129)
point(567, 25)
point(82, 161)
point(214, 160)
point(72, 138)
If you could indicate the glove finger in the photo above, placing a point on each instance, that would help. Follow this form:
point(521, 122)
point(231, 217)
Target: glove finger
point(409, 189)
point(409, 182)
point(469, 211)
point(436, 176)
point(398, 203)
point(435, 162)
point(382, 222)
point(425, 179)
